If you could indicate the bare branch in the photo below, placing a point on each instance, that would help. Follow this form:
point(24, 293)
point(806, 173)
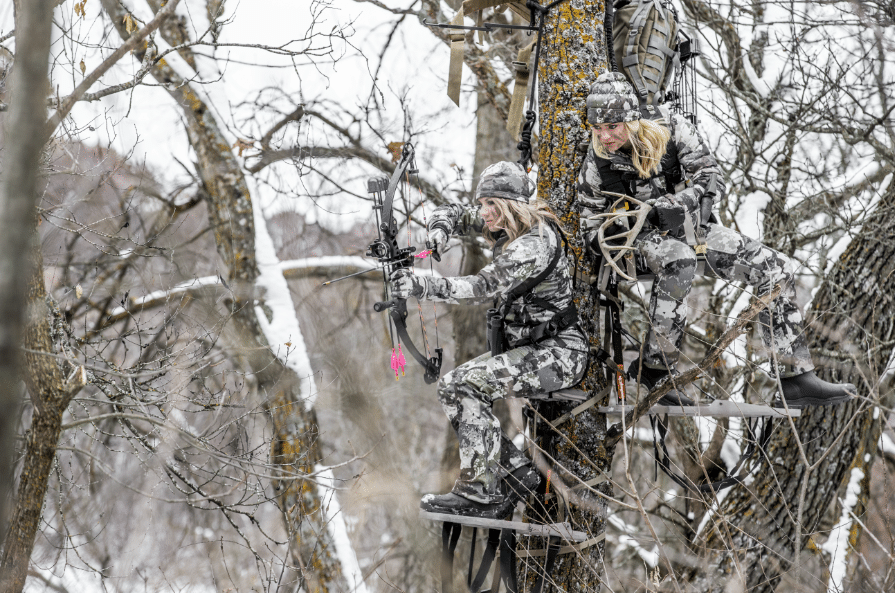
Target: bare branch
point(130, 44)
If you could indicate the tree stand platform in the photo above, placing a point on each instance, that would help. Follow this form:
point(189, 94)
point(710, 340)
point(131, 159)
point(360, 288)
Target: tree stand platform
point(502, 535)
point(715, 409)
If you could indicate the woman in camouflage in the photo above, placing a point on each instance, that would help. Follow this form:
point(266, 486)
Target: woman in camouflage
point(668, 166)
point(546, 349)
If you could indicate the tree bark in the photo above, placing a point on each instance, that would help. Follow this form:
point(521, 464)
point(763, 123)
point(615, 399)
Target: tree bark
point(572, 56)
point(18, 195)
point(854, 314)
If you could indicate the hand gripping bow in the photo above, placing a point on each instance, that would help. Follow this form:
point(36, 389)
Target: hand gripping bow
point(391, 257)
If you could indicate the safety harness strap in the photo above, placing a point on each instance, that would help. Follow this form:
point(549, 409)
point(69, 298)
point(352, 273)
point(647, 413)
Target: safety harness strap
point(757, 441)
point(561, 320)
point(552, 549)
point(455, 69)
point(487, 559)
point(630, 60)
point(533, 281)
point(450, 534)
point(523, 72)
point(507, 561)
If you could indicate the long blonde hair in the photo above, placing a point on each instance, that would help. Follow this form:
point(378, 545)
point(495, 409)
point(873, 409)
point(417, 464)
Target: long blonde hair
point(518, 218)
point(649, 139)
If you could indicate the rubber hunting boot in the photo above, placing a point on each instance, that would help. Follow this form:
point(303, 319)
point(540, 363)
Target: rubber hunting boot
point(808, 389)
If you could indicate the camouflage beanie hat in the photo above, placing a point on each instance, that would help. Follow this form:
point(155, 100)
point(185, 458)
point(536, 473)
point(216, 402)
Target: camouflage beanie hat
point(612, 100)
point(504, 180)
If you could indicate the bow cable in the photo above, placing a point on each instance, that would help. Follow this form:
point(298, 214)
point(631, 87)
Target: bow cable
point(419, 305)
point(422, 195)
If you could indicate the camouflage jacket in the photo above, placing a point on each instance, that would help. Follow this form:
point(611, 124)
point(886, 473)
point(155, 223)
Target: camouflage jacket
point(697, 166)
point(513, 263)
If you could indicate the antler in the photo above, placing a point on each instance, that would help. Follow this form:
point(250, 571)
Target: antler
point(622, 250)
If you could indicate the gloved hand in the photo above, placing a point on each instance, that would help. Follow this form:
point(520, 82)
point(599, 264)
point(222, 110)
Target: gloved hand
point(438, 239)
point(406, 284)
point(667, 215)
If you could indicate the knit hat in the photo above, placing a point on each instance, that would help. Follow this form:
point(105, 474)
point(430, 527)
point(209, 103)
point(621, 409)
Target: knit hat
point(504, 180)
point(612, 100)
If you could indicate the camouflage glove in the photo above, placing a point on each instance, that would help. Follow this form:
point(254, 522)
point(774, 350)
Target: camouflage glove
point(438, 238)
point(667, 215)
point(406, 284)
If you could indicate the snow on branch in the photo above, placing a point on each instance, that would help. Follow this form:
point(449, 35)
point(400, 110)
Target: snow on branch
point(186, 290)
point(323, 266)
point(837, 545)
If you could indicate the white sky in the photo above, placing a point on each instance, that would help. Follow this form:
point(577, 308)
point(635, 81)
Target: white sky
point(147, 124)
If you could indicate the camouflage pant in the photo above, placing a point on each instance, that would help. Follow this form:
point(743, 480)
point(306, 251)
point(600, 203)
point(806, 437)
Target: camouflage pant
point(730, 256)
point(466, 394)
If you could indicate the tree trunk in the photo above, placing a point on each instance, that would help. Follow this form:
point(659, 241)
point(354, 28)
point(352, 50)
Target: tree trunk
point(51, 395)
point(24, 140)
point(294, 447)
point(572, 56)
point(854, 312)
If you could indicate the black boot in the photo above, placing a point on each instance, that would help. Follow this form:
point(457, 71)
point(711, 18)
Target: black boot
point(515, 487)
point(808, 389)
point(650, 378)
point(520, 483)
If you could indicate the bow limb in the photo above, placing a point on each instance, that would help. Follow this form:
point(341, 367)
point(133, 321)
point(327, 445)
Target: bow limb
point(389, 224)
point(398, 313)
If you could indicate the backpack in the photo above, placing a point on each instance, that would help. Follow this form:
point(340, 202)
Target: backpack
point(645, 43)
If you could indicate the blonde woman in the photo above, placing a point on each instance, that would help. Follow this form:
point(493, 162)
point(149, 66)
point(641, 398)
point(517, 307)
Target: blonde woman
point(669, 166)
point(542, 349)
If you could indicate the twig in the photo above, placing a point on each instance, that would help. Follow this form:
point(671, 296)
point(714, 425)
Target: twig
point(132, 42)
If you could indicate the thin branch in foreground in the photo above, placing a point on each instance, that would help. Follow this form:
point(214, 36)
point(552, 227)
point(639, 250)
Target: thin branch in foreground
point(615, 433)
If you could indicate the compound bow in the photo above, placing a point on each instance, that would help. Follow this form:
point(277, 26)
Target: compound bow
point(391, 257)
